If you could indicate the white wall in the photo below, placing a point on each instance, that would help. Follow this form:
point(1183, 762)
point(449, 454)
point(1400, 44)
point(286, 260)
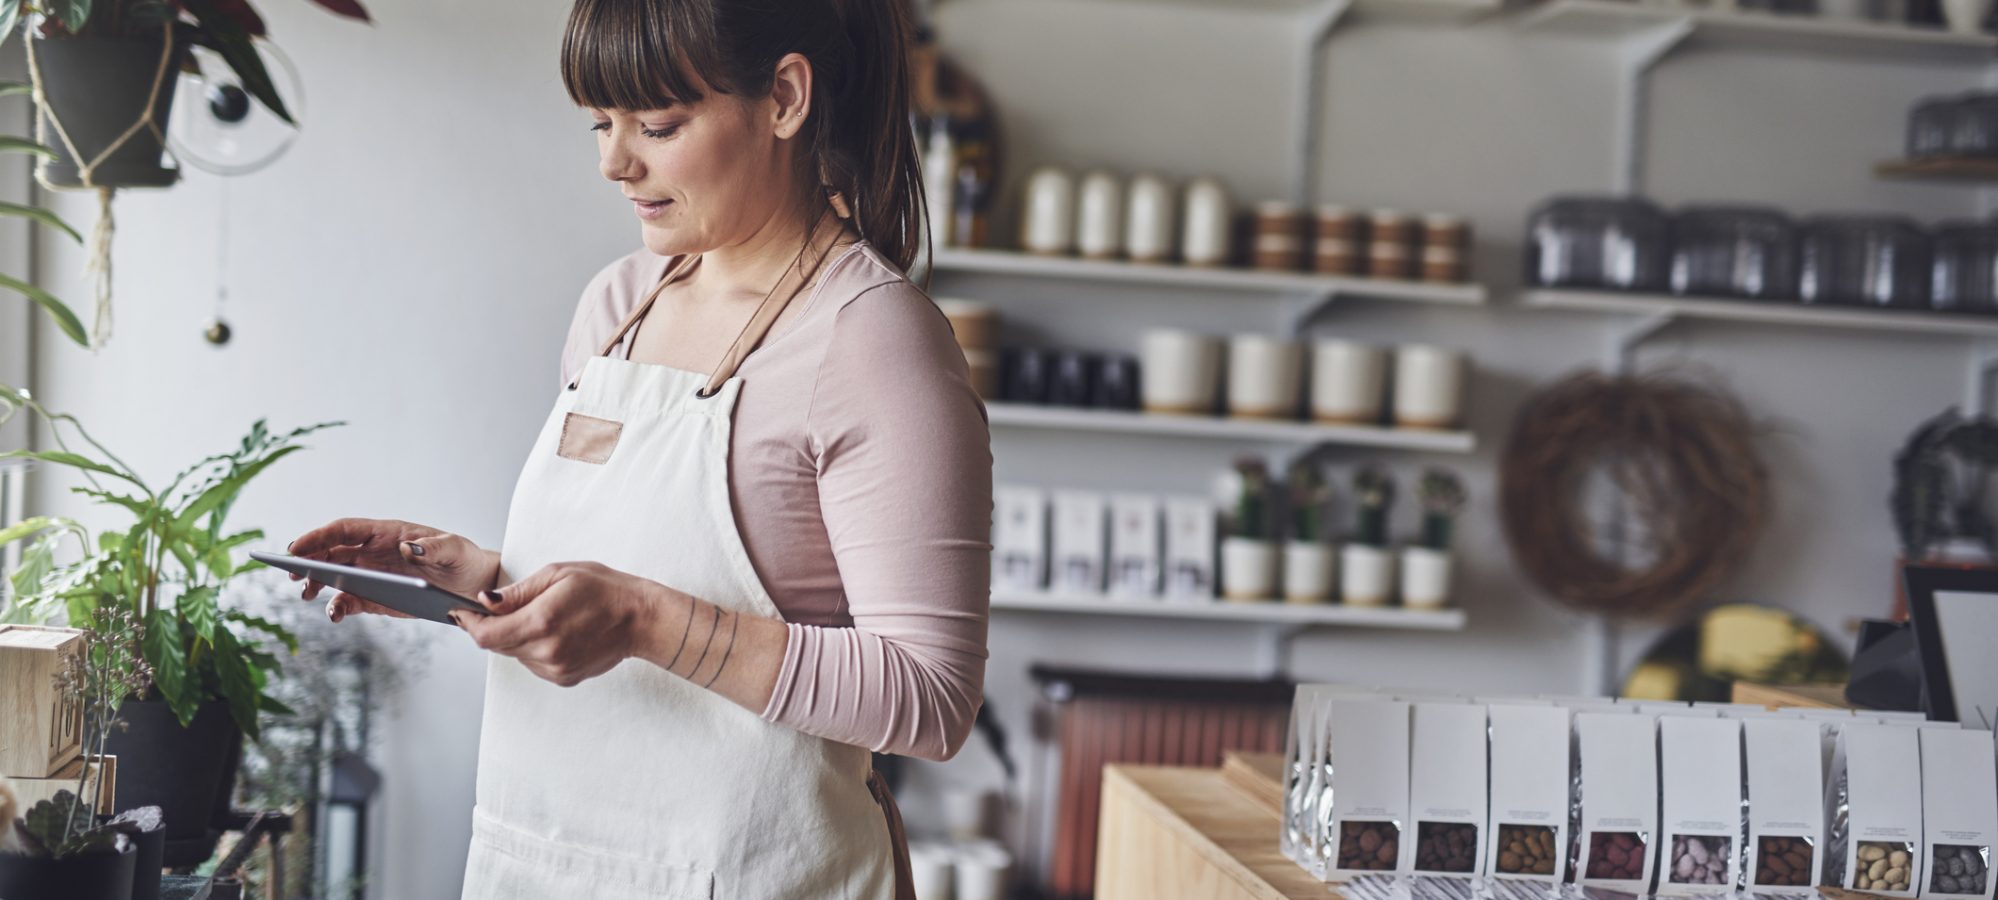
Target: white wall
point(412, 265)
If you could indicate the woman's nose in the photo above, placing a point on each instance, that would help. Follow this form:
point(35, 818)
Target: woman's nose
point(616, 163)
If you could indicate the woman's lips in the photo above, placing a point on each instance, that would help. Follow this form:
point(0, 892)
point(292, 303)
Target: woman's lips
point(649, 209)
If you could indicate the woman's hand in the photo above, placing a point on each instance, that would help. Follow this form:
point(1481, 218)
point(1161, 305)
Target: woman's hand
point(570, 621)
point(444, 559)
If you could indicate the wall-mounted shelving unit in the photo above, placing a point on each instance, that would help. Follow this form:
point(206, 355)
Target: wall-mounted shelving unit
point(1020, 415)
point(1777, 312)
point(1941, 168)
point(1751, 29)
point(1264, 612)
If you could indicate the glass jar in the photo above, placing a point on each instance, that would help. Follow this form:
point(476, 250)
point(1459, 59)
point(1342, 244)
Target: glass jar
point(1930, 125)
point(1974, 128)
point(1734, 251)
point(1598, 242)
point(1865, 261)
point(1966, 268)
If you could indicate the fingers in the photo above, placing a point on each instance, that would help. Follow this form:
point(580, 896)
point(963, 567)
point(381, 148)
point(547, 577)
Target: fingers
point(502, 634)
point(354, 531)
point(344, 604)
point(520, 593)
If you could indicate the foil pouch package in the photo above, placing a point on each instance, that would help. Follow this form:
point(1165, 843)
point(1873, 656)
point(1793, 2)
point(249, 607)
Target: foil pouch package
point(1700, 814)
point(1617, 818)
point(1873, 807)
point(1447, 796)
point(1959, 813)
point(1528, 813)
point(1366, 747)
point(1786, 817)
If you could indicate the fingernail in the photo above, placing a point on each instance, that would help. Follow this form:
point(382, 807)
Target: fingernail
point(454, 618)
point(287, 547)
point(414, 548)
point(492, 598)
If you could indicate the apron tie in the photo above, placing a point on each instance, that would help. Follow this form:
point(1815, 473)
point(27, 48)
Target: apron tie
point(898, 839)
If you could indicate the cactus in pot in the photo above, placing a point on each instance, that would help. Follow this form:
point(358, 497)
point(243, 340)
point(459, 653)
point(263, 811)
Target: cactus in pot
point(1425, 567)
point(1308, 560)
point(1366, 576)
point(1248, 553)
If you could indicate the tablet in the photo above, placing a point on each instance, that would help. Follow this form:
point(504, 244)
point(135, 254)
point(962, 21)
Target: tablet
point(402, 593)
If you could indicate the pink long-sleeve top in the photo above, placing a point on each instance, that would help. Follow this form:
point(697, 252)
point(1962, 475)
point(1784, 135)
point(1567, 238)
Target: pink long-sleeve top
point(861, 476)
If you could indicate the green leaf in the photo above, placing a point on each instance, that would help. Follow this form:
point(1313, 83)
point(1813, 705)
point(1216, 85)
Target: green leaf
point(227, 38)
point(40, 215)
point(10, 88)
point(238, 683)
point(9, 144)
point(76, 15)
point(36, 563)
point(66, 459)
point(168, 657)
point(27, 527)
point(258, 623)
point(224, 491)
point(10, 10)
point(272, 705)
point(65, 319)
point(136, 505)
point(197, 606)
point(49, 821)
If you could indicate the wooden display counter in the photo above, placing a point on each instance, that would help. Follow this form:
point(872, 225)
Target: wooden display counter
point(1199, 834)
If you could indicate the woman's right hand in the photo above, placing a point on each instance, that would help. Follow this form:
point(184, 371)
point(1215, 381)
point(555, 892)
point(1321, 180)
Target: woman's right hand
point(444, 559)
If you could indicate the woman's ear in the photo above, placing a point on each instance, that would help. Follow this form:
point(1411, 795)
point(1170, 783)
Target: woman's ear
point(791, 94)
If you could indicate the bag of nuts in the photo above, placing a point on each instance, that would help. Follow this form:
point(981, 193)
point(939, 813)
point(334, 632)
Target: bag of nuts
point(1874, 809)
point(1786, 817)
point(1303, 764)
point(1366, 743)
point(1447, 799)
point(1700, 769)
point(1619, 810)
point(1529, 794)
point(1959, 813)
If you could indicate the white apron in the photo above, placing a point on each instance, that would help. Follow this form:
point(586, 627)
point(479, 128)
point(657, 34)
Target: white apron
point(638, 784)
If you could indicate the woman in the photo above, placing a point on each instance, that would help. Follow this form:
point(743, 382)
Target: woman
point(751, 541)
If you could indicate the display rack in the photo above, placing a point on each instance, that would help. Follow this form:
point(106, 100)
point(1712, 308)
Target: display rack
point(1790, 313)
point(1262, 612)
point(1757, 30)
point(1940, 168)
point(1020, 415)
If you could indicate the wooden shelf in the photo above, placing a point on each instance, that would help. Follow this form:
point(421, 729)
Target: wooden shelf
point(1441, 11)
point(1812, 34)
point(1242, 281)
point(1021, 415)
point(1768, 312)
point(1940, 168)
point(1267, 612)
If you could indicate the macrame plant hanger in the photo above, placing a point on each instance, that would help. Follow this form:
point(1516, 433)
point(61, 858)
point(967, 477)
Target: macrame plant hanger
point(97, 259)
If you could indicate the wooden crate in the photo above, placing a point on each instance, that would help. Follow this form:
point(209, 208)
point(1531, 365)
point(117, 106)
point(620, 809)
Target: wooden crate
point(30, 791)
point(41, 731)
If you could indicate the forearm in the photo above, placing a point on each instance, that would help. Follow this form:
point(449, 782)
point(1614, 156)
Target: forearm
point(732, 654)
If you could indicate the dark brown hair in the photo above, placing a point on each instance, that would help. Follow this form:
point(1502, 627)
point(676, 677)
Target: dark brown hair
point(651, 54)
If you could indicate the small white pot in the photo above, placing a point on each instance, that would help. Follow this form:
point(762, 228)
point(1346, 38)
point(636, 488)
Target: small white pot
point(982, 869)
point(1048, 225)
point(1180, 371)
point(1348, 381)
point(1366, 575)
point(1966, 16)
point(1851, 10)
point(1308, 568)
point(1263, 375)
point(1425, 578)
point(1148, 219)
point(933, 870)
point(1099, 216)
point(1248, 569)
point(1204, 241)
point(1428, 386)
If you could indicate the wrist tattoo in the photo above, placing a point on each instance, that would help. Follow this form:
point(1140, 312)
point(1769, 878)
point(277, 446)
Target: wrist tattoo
point(683, 634)
point(713, 627)
point(734, 619)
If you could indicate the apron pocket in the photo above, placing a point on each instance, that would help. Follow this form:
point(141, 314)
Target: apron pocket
point(588, 438)
point(506, 864)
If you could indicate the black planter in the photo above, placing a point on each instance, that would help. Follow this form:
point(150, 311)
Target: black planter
point(189, 773)
point(85, 876)
point(98, 87)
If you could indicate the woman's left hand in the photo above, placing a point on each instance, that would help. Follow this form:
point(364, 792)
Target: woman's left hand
point(568, 622)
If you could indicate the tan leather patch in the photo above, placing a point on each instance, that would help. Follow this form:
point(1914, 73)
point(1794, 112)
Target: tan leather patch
point(588, 438)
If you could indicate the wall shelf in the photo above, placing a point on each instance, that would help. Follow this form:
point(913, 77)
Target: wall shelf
point(1232, 280)
point(1775, 313)
point(1816, 35)
point(1940, 168)
point(1268, 612)
point(1056, 418)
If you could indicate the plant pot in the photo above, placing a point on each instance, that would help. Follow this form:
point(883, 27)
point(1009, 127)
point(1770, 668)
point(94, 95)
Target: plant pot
point(1966, 16)
point(85, 876)
point(97, 87)
point(1307, 572)
point(189, 773)
point(1248, 569)
point(1425, 578)
point(1366, 575)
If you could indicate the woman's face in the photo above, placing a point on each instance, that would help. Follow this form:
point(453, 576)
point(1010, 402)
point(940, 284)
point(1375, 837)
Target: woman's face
point(702, 175)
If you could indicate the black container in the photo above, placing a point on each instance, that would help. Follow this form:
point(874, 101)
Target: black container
point(1025, 375)
point(1621, 243)
point(1965, 273)
point(1973, 129)
point(98, 86)
point(189, 773)
point(1865, 261)
point(1930, 125)
point(1117, 384)
point(1734, 251)
point(86, 876)
point(1074, 382)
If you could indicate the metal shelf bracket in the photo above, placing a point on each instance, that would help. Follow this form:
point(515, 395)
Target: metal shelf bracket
point(1319, 21)
point(1273, 648)
point(1637, 57)
point(1300, 311)
point(1624, 338)
point(1977, 388)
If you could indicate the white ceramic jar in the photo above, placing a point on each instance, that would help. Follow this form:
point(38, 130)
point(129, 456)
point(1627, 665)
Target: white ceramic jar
point(1148, 220)
point(1099, 216)
point(1209, 224)
point(1263, 377)
point(1308, 571)
point(1180, 371)
point(1348, 382)
point(1047, 225)
point(1425, 578)
point(1248, 569)
point(1428, 386)
point(1366, 575)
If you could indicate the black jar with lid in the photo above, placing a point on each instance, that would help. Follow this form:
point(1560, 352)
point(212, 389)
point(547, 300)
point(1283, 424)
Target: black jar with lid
point(1734, 251)
point(1622, 243)
point(1965, 275)
point(1865, 261)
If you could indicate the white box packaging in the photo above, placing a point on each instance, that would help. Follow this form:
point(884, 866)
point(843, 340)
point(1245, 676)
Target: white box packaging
point(1699, 768)
point(1366, 744)
point(1020, 538)
point(1189, 547)
point(1303, 743)
point(1619, 805)
point(1447, 797)
point(1786, 811)
point(1080, 549)
point(1874, 809)
point(1959, 813)
point(1136, 549)
point(1528, 820)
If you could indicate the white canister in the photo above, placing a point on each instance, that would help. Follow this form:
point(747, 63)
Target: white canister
point(1047, 225)
point(1366, 575)
point(1148, 220)
point(1851, 10)
point(1180, 371)
point(1248, 569)
point(982, 869)
point(1204, 241)
point(1308, 568)
point(1425, 578)
point(1099, 216)
point(932, 868)
point(1348, 382)
point(1263, 376)
point(967, 812)
point(1428, 386)
point(1966, 16)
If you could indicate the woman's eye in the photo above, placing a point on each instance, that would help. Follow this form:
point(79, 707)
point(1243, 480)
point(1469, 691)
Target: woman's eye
point(668, 131)
point(600, 126)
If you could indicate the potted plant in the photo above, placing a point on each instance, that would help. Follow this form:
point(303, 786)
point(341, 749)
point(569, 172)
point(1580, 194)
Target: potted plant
point(64, 318)
point(65, 847)
point(1308, 561)
point(1248, 552)
point(1366, 565)
point(210, 680)
point(1425, 565)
